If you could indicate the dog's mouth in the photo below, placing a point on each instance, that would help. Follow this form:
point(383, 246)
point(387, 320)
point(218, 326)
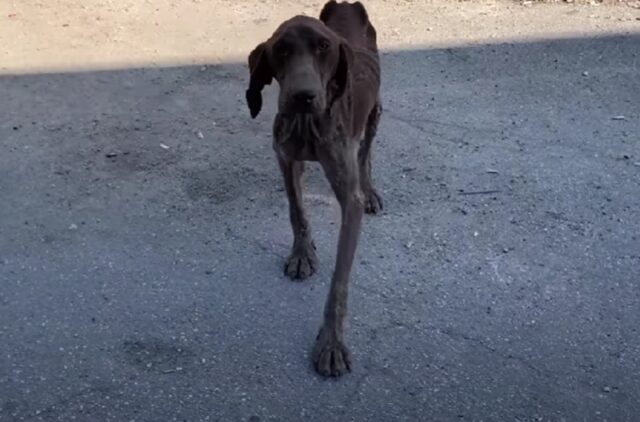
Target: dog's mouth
point(303, 103)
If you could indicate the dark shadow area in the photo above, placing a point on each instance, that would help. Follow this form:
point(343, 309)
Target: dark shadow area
point(143, 229)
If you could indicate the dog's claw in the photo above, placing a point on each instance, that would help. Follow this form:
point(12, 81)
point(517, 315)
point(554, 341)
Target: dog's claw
point(331, 358)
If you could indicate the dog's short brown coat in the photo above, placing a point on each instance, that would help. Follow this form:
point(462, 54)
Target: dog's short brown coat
point(328, 72)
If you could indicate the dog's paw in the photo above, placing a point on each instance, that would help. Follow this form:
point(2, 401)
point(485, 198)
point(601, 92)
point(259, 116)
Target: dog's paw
point(331, 357)
point(302, 263)
point(372, 202)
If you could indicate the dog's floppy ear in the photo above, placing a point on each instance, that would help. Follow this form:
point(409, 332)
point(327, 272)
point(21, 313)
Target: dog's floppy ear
point(261, 75)
point(343, 69)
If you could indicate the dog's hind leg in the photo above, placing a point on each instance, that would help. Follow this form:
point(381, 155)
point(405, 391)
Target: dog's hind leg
point(372, 200)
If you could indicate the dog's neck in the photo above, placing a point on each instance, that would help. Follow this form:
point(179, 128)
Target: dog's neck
point(301, 126)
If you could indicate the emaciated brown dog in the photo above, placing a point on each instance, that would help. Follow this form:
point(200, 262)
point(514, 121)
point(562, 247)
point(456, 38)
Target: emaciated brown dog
point(328, 72)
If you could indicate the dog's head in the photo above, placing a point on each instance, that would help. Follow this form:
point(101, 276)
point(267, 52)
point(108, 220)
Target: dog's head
point(310, 62)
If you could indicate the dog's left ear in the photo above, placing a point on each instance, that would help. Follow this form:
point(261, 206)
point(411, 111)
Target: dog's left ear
point(261, 75)
point(343, 70)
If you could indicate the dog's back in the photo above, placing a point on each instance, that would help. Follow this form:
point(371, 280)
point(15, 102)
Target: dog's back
point(350, 21)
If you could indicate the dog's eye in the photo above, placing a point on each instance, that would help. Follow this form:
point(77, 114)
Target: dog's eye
point(323, 45)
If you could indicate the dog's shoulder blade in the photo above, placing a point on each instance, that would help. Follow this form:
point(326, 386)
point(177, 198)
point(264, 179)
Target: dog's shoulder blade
point(366, 68)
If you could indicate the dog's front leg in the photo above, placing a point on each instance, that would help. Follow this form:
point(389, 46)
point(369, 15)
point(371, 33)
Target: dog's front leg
point(303, 261)
point(331, 355)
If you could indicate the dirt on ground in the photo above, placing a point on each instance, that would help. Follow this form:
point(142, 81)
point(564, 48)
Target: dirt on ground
point(144, 224)
point(37, 36)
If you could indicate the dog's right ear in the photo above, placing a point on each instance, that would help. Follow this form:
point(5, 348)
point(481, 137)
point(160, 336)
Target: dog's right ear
point(261, 75)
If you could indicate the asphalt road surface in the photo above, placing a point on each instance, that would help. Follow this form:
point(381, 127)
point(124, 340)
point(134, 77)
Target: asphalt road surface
point(143, 232)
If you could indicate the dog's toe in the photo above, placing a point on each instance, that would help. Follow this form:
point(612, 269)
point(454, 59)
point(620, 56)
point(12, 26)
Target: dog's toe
point(301, 264)
point(331, 357)
point(373, 202)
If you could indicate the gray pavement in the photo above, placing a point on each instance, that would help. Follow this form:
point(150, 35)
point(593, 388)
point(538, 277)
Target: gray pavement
point(143, 229)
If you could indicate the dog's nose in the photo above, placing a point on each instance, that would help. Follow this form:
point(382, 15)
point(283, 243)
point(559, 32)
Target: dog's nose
point(304, 97)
